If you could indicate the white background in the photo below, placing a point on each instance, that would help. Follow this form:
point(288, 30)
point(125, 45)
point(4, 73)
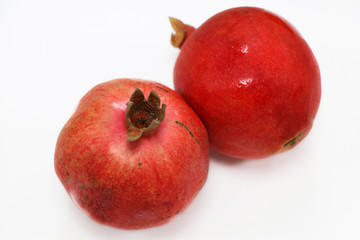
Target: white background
point(53, 52)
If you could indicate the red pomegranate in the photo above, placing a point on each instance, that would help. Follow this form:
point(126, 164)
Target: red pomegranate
point(130, 162)
point(251, 78)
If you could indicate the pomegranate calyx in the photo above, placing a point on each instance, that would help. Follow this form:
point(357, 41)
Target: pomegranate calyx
point(143, 116)
point(182, 31)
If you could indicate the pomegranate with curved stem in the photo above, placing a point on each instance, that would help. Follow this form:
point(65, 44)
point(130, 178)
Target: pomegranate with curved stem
point(251, 78)
point(131, 162)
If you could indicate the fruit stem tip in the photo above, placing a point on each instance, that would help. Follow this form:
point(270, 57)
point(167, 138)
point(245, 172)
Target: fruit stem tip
point(182, 32)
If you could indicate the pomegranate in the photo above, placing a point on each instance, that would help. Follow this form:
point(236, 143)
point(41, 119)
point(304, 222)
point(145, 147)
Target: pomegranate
point(130, 162)
point(251, 78)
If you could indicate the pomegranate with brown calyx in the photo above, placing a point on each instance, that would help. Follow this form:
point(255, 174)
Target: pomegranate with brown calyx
point(131, 162)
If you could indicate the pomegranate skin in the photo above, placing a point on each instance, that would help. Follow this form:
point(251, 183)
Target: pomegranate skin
point(253, 81)
point(124, 184)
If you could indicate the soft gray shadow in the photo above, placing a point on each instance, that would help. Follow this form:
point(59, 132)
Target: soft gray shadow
point(220, 158)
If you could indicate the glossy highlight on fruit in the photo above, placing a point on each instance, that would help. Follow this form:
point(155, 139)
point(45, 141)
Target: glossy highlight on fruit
point(251, 78)
point(132, 162)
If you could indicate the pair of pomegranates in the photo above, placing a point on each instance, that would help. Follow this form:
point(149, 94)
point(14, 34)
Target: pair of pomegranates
point(251, 87)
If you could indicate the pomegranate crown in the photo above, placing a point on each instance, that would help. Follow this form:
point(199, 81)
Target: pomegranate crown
point(143, 116)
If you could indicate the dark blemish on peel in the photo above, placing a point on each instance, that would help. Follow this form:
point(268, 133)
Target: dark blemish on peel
point(162, 89)
point(281, 37)
point(139, 164)
point(293, 141)
point(202, 135)
point(184, 126)
point(177, 212)
point(67, 177)
point(290, 143)
point(168, 203)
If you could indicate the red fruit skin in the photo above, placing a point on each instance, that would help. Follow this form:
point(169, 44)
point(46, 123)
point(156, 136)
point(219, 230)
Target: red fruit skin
point(253, 81)
point(131, 185)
